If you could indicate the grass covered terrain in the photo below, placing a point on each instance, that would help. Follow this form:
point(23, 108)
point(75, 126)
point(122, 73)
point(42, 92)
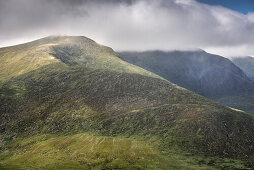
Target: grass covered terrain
point(77, 113)
point(87, 151)
point(72, 50)
point(63, 102)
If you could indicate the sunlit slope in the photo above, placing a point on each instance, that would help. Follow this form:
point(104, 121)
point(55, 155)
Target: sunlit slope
point(88, 151)
point(71, 50)
point(61, 99)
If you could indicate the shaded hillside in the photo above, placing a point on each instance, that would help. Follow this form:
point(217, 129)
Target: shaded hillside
point(72, 50)
point(68, 115)
point(210, 75)
point(246, 64)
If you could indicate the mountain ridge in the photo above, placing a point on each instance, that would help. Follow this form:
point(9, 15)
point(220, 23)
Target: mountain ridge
point(33, 55)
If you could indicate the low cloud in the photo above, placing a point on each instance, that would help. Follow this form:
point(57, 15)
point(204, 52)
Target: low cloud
point(131, 24)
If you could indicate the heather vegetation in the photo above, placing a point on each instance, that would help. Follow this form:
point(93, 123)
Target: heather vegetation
point(62, 100)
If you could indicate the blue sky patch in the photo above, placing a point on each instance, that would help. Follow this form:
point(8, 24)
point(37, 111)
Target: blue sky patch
point(243, 6)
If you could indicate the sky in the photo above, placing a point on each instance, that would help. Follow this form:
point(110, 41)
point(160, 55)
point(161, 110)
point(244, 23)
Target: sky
point(224, 27)
point(243, 6)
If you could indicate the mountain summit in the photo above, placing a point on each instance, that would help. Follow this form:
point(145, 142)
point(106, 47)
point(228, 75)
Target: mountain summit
point(71, 50)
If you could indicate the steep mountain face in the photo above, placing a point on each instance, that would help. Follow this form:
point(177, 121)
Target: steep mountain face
point(210, 75)
point(246, 64)
point(71, 50)
point(201, 72)
point(68, 115)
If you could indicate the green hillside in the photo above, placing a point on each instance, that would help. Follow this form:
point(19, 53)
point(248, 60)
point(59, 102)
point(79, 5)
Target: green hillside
point(65, 115)
point(64, 101)
point(72, 50)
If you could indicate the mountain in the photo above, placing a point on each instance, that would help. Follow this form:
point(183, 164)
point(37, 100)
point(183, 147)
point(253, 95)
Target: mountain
point(209, 75)
point(71, 50)
point(72, 116)
point(246, 64)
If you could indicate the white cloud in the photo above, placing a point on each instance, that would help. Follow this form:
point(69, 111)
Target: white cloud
point(139, 25)
point(250, 17)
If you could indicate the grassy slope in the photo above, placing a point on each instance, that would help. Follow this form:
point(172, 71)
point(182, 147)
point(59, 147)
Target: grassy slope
point(87, 151)
point(20, 59)
point(58, 99)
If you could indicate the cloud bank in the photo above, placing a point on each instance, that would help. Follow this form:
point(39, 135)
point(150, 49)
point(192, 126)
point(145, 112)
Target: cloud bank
point(135, 25)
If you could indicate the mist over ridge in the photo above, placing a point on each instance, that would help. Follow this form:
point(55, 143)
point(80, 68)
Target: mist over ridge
point(133, 25)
